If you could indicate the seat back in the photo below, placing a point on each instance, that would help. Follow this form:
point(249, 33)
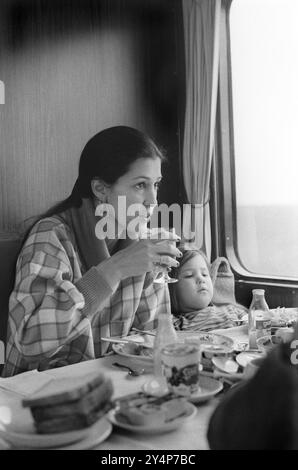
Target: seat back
point(10, 245)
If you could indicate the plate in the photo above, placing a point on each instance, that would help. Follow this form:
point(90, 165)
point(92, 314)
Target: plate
point(208, 387)
point(227, 365)
point(216, 343)
point(20, 431)
point(157, 429)
point(211, 342)
point(98, 433)
point(245, 357)
point(133, 351)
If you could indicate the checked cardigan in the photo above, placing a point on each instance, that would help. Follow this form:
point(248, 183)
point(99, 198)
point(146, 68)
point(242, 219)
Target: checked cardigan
point(58, 312)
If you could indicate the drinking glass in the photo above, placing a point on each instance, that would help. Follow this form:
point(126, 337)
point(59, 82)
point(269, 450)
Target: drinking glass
point(164, 277)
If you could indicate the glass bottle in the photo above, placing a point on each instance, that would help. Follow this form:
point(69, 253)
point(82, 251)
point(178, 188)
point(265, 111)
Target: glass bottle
point(165, 334)
point(259, 318)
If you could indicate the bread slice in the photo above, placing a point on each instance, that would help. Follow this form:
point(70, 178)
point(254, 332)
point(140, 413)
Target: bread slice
point(143, 410)
point(64, 390)
point(70, 422)
point(93, 400)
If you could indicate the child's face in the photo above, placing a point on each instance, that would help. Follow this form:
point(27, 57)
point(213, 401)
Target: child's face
point(194, 289)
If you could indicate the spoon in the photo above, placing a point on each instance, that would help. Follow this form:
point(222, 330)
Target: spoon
point(132, 372)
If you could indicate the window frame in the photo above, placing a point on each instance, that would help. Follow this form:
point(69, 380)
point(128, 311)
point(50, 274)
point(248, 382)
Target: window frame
point(223, 187)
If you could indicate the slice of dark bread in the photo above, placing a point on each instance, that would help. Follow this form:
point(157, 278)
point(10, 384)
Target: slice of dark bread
point(64, 390)
point(91, 401)
point(71, 421)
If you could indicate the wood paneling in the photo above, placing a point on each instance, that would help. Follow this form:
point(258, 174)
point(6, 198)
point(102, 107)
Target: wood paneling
point(70, 69)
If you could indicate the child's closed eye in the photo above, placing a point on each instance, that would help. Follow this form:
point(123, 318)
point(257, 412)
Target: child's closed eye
point(186, 274)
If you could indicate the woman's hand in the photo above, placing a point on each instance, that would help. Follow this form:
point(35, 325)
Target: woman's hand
point(142, 257)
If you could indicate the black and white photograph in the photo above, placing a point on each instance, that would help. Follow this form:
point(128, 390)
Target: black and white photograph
point(149, 228)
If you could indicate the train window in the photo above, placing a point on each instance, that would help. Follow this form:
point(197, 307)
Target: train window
point(264, 71)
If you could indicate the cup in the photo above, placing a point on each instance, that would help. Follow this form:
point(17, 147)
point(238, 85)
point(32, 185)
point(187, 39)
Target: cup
point(252, 367)
point(180, 366)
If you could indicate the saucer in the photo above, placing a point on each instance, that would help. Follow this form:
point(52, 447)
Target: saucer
point(208, 387)
point(227, 365)
point(245, 357)
point(190, 411)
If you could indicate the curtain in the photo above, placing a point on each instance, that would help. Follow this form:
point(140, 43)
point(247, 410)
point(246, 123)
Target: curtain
point(201, 20)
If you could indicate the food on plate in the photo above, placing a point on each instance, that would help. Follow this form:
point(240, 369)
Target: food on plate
point(144, 351)
point(66, 404)
point(144, 415)
point(142, 410)
point(174, 408)
point(283, 317)
point(210, 342)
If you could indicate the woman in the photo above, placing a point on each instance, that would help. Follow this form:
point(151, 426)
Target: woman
point(76, 283)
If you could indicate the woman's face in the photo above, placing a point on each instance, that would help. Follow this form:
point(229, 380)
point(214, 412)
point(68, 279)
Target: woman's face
point(194, 289)
point(139, 186)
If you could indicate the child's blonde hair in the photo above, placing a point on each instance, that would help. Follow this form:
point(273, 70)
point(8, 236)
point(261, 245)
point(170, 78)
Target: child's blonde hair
point(189, 252)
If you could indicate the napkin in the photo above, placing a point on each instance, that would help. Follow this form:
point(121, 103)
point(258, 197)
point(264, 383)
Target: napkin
point(26, 383)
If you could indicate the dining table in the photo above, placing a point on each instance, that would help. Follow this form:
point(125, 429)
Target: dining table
point(191, 435)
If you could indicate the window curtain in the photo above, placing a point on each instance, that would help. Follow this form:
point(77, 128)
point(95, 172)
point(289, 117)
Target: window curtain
point(201, 19)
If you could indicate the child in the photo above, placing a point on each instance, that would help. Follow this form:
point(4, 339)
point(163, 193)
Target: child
point(192, 295)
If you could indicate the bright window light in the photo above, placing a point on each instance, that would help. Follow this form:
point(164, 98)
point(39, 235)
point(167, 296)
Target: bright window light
point(264, 54)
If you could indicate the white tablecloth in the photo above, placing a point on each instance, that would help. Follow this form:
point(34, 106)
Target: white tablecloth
point(192, 435)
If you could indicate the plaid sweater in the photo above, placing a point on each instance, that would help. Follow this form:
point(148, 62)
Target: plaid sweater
point(210, 318)
point(58, 313)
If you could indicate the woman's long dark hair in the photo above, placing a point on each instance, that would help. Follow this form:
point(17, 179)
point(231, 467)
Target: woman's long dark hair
point(108, 156)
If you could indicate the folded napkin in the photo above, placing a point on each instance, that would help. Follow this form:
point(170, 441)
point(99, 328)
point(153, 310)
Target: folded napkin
point(26, 383)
